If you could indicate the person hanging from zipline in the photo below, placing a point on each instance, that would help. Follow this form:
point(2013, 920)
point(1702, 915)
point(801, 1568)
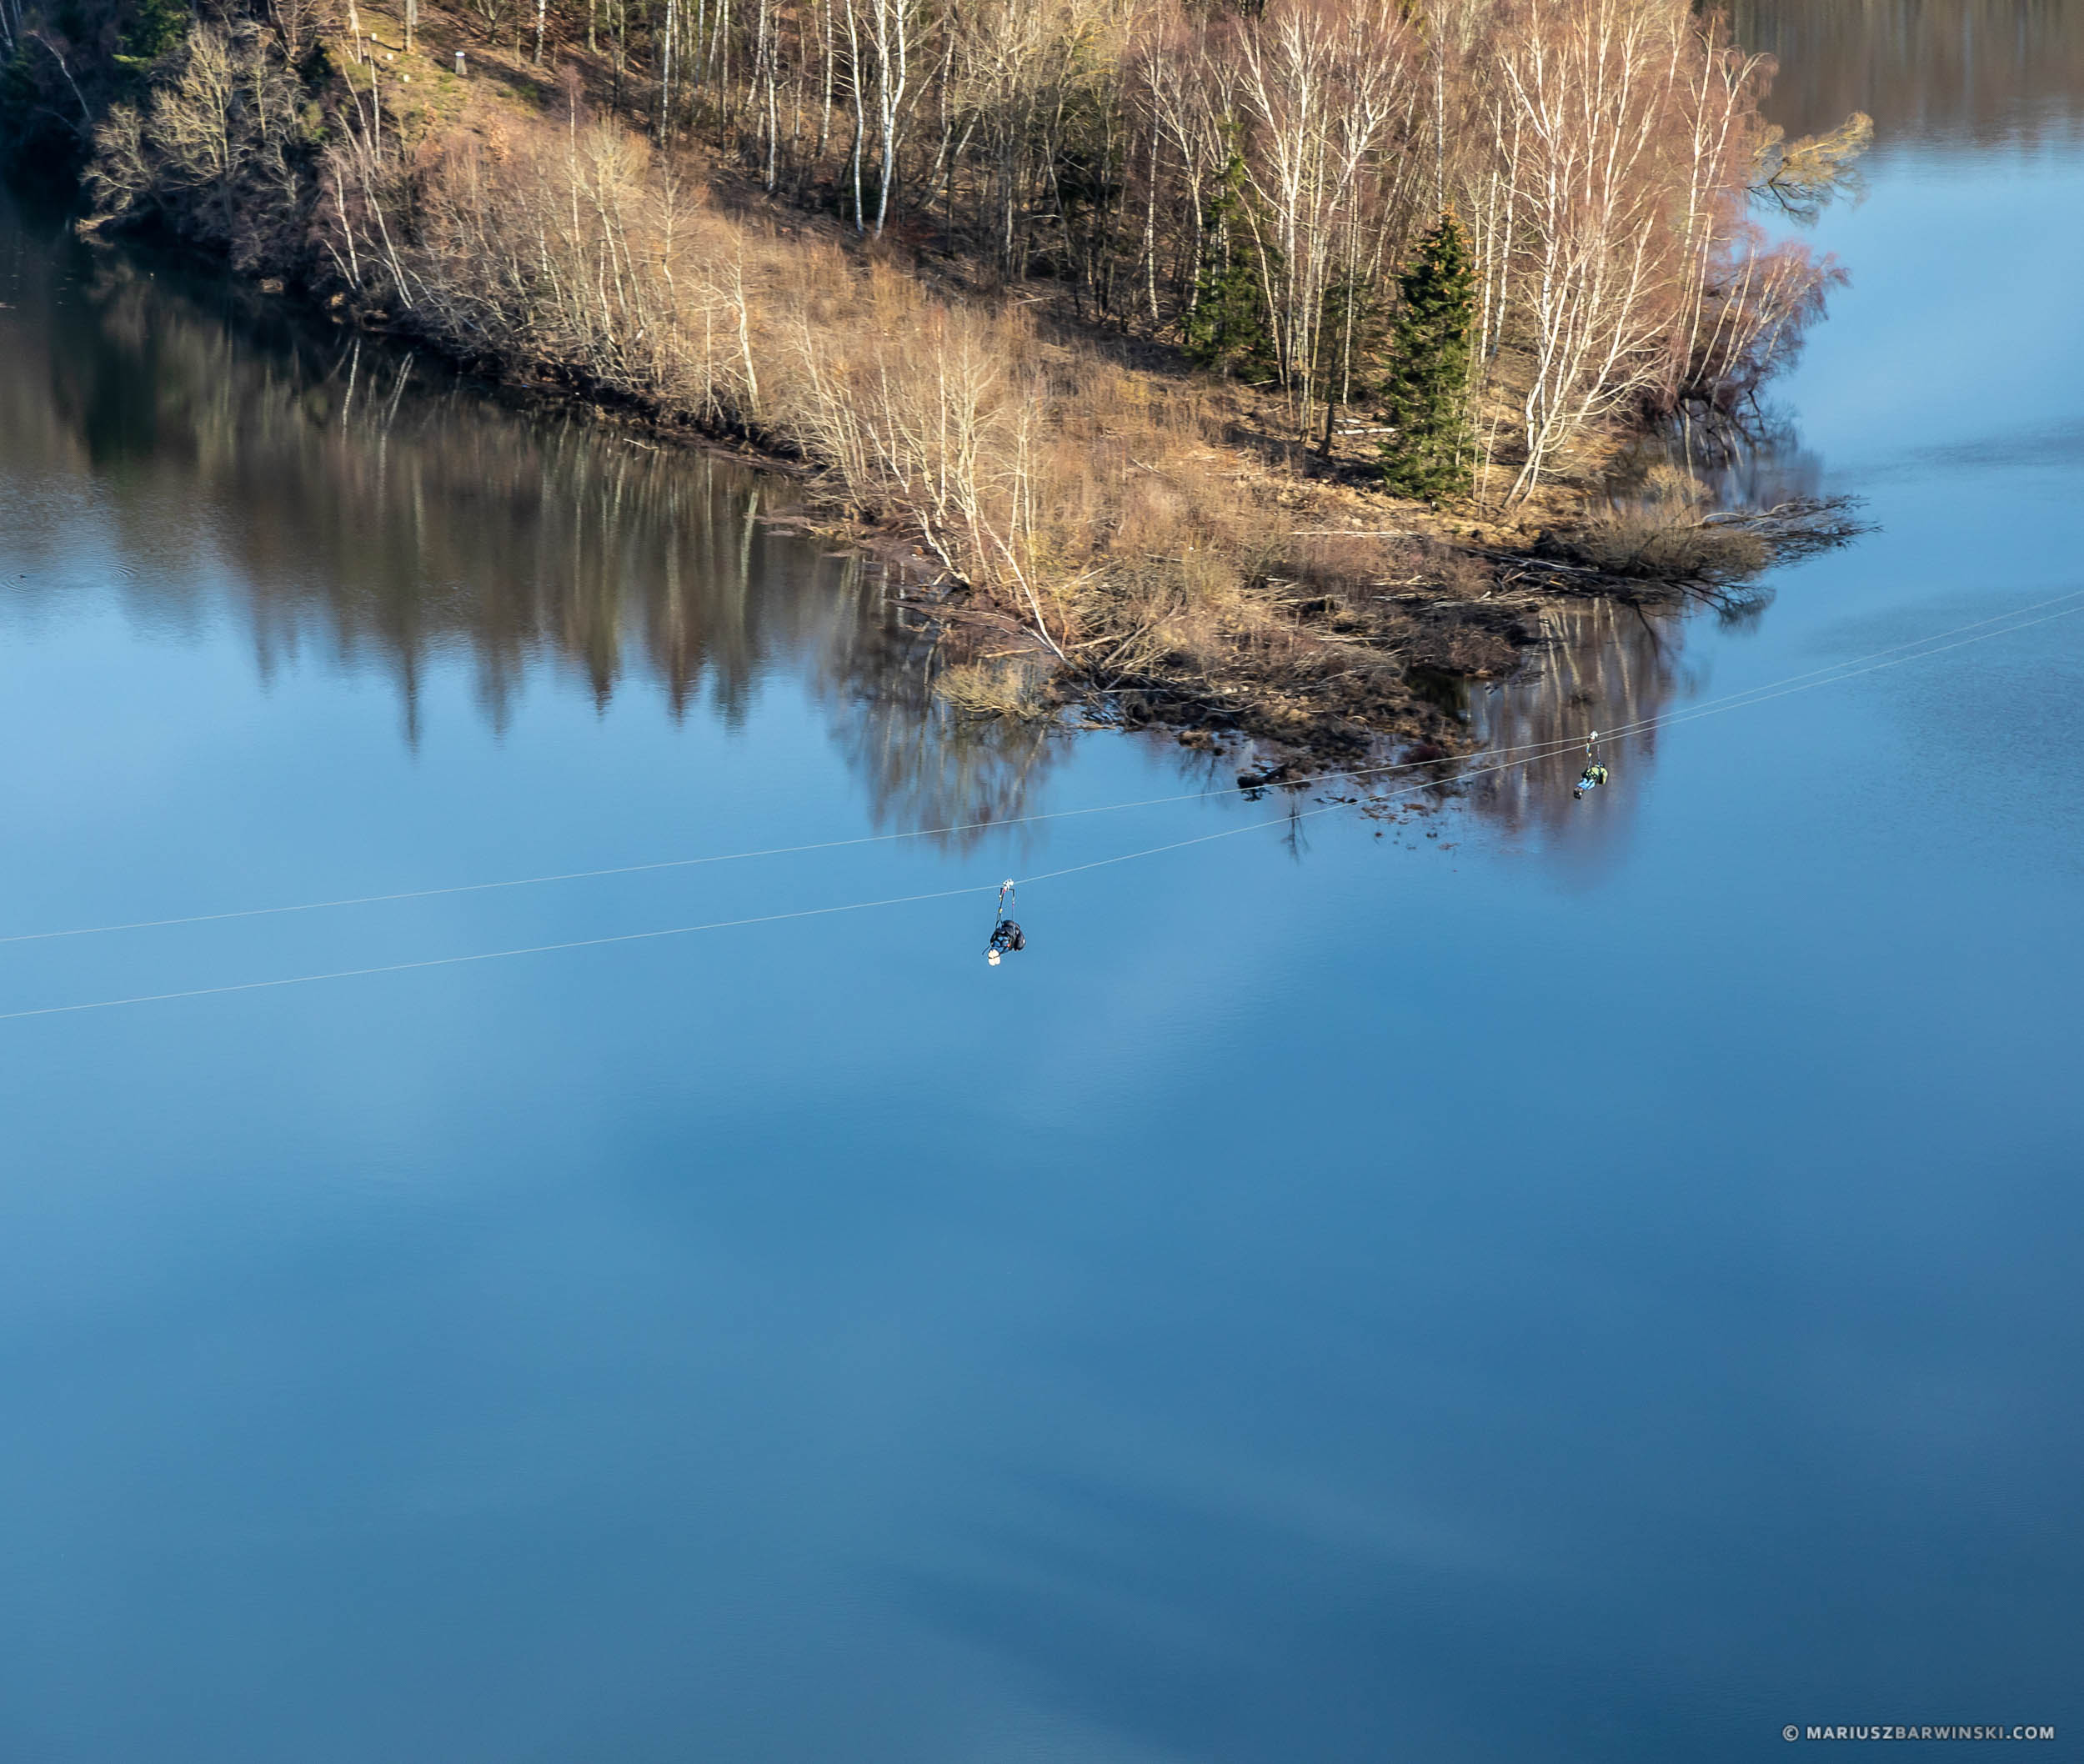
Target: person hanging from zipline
point(1006, 935)
point(1594, 774)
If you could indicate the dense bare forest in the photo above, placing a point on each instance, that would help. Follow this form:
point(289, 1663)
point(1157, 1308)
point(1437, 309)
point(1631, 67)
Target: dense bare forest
point(1123, 312)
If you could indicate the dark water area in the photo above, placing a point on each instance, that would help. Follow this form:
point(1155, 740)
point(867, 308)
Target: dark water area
point(1534, 1279)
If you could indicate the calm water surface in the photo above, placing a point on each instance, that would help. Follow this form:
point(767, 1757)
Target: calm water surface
point(1548, 1281)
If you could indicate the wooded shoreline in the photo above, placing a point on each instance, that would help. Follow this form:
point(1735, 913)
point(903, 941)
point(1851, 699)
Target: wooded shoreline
point(1141, 448)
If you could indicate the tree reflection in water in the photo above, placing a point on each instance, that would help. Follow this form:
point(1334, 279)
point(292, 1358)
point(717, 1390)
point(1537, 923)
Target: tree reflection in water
point(349, 497)
point(1606, 667)
point(1984, 71)
point(346, 497)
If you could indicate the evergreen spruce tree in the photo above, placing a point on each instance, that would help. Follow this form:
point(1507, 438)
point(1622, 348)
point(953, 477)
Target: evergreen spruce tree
point(1425, 395)
point(156, 27)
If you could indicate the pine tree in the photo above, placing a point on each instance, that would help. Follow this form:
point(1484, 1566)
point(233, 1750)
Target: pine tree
point(1425, 396)
point(156, 27)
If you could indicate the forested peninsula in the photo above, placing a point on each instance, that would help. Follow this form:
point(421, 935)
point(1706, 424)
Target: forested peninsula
point(1222, 364)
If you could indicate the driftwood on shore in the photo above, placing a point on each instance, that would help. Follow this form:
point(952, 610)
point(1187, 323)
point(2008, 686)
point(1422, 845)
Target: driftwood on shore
point(1797, 528)
point(1664, 551)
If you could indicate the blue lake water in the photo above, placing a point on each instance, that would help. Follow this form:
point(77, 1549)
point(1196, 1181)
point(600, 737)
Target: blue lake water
point(1539, 1281)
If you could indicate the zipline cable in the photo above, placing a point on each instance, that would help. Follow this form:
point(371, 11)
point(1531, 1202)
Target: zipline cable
point(1694, 713)
point(680, 930)
point(486, 955)
point(1532, 750)
point(727, 857)
point(1849, 668)
point(946, 894)
point(1286, 820)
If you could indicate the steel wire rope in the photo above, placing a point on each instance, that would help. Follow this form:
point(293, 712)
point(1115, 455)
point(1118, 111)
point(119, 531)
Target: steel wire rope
point(1766, 693)
point(1533, 750)
point(1673, 720)
point(727, 857)
point(1847, 669)
point(684, 930)
point(486, 955)
point(946, 894)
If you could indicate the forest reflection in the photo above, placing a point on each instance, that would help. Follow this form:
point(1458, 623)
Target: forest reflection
point(347, 498)
point(1979, 71)
point(352, 501)
point(344, 497)
point(1604, 665)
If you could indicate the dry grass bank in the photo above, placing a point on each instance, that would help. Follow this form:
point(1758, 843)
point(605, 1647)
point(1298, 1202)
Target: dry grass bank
point(1140, 529)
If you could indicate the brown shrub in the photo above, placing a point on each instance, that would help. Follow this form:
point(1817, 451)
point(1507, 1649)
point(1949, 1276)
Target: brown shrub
point(1664, 537)
point(1008, 688)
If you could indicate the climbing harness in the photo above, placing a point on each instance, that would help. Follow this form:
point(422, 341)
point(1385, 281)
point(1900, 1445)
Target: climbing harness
point(1594, 774)
point(1006, 934)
